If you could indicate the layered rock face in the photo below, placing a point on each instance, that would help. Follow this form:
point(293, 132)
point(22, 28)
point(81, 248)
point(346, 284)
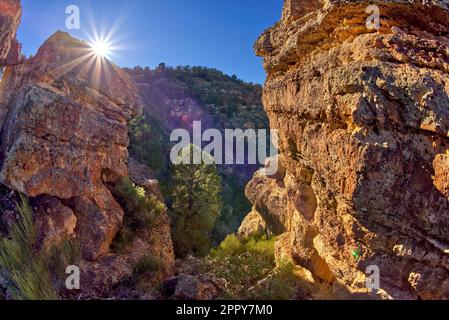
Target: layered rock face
point(10, 12)
point(64, 116)
point(64, 134)
point(363, 120)
point(64, 144)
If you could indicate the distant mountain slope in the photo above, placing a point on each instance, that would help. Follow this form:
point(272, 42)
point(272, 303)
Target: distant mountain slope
point(200, 94)
point(175, 98)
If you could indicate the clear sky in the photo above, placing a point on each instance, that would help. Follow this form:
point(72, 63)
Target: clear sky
point(213, 33)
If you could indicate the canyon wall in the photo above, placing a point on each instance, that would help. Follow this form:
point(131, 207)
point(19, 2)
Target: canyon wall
point(363, 120)
point(64, 143)
point(10, 13)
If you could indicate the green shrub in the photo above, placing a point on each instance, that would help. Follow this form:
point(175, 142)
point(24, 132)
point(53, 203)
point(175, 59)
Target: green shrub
point(246, 269)
point(145, 265)
point(28, 274)
point(281, 284)
point(123, 241)
point(141, 209)
point(240, 265)
point(67, 253)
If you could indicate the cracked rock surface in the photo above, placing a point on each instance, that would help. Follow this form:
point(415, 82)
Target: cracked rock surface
point(363, 120)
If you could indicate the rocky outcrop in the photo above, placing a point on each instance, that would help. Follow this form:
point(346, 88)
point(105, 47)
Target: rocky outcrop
point(253, 224)
point(187, 287)
point(64, 134)
point(154, 242)
point(54, 222)
point(363, 124)
point(10, 13)
point(64, 143)
point(143, 176)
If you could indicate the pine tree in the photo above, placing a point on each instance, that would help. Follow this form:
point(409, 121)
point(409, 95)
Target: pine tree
point(196, 196)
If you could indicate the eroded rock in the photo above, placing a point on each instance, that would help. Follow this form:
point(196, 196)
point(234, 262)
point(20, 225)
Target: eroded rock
point(10, 13)
point(54, 222)
point(64, 116)
point(363, 124)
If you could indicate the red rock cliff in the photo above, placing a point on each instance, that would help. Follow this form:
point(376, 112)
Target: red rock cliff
point(363, 119)
point(10, 12)
point(64, 141)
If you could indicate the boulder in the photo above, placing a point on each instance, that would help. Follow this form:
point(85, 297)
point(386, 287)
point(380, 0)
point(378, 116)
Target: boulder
point(189, 287)
point(53, 221)
point(253, 224)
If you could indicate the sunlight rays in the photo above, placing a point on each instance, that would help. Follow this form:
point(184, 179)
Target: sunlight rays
point(93, 57)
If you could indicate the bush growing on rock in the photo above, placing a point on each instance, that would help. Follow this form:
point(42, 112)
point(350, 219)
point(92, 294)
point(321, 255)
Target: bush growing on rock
point(141, 212)
point(247, 270)
point(140, 208)
point(146, 264)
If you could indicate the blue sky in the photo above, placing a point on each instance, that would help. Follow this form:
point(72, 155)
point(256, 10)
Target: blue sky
point(212, 33)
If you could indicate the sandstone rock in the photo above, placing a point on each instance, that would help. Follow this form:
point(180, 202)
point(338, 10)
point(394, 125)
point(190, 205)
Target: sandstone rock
point(143, 176)
point(53, 221)
point(363, 133)
point(268, 196)
point(188, 287)
point(10, 13)
point(99, 278)
point(64, 117)
point(253, 224)
point(155, 241)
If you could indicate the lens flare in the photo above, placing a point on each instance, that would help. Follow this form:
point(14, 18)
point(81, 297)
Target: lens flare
point(101, 48)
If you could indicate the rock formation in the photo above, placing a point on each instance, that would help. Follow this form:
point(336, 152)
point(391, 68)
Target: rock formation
point(65, 134)
point(64, 143)
point(363, 124)
point(10, 13)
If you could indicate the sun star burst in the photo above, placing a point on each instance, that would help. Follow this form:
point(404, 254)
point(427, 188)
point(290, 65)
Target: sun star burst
point(101, 48)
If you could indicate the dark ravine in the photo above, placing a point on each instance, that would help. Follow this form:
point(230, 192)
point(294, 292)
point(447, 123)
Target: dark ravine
point(175, 97)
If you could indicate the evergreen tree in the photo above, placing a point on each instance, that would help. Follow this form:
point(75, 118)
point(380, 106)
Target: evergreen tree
point(196, 196)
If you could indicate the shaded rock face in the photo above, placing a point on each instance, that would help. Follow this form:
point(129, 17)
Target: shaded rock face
point(155, 242)
point(53, 221)
point(363, 125)
point(64, 120)
point(105, 277)
point(10, 13)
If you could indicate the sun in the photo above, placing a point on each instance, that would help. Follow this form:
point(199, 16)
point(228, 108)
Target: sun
point(101, 48)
